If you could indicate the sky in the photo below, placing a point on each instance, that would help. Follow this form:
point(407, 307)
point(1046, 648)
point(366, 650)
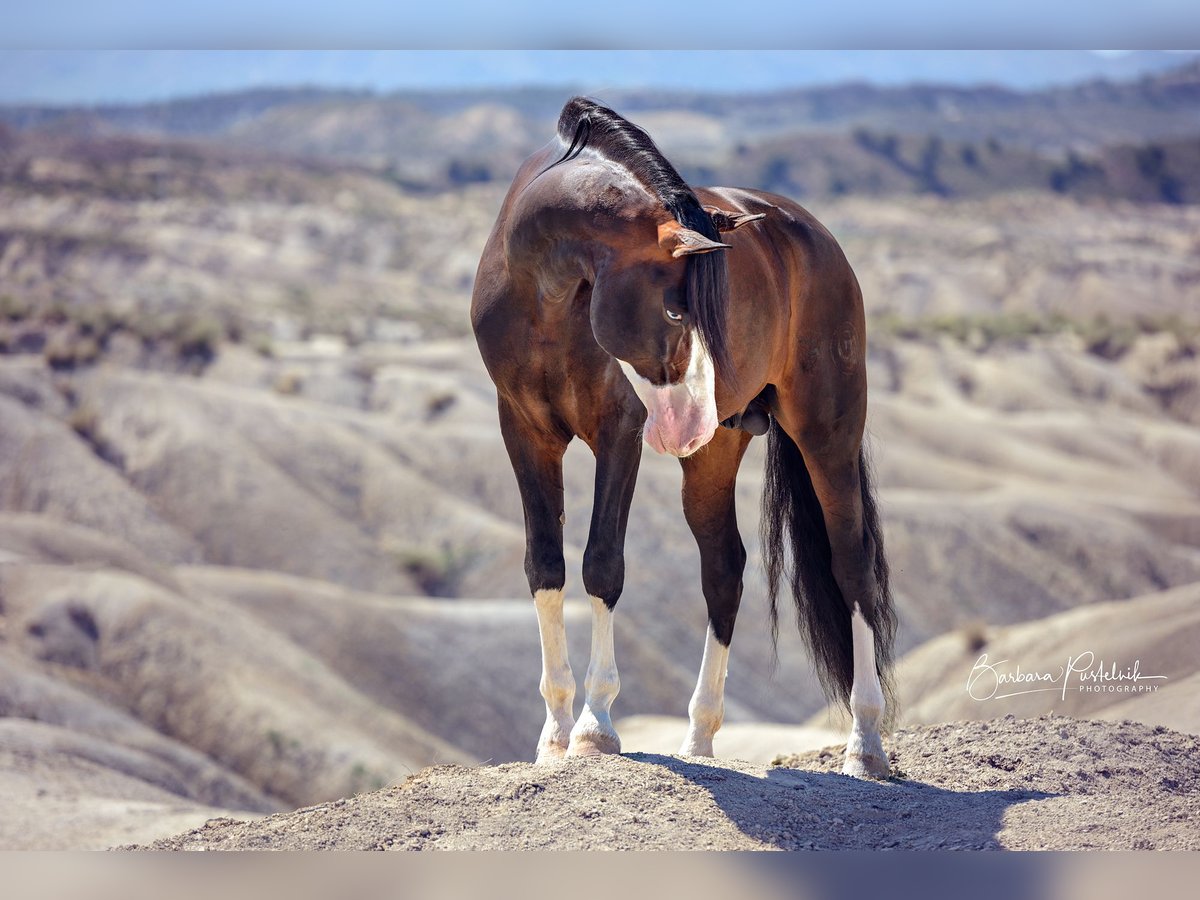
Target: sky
point(89, 76)
point(753, 25)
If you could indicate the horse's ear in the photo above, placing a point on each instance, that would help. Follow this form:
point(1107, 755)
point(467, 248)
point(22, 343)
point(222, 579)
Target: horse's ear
point(680, 241)
point(728, 221)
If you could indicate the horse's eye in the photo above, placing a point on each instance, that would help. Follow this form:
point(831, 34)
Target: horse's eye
point(673, 316)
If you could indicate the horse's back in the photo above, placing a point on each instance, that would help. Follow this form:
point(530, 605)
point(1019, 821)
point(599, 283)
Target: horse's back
point(790, 265)
point(787, 222)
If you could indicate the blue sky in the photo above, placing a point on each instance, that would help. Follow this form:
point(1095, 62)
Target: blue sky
point(752, 25)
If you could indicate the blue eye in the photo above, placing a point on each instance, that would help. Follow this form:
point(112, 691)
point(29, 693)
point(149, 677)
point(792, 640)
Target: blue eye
point(673, 316)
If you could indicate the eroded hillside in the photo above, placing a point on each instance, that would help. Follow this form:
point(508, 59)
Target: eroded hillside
point(260, 545)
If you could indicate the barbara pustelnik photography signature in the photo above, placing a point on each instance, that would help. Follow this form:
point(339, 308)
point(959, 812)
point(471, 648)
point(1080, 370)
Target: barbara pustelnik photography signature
point(1000, 679)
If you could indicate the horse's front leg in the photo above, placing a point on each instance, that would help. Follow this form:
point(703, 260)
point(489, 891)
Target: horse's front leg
point(709, 477)
point(537, 462)
point(618, 452)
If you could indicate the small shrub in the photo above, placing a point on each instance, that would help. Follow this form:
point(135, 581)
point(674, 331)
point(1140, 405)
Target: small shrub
point(1109, 340)
point(14, 308)
point(462, 172)
point(439, 572)
point(66, 348)
point(1074, 173)
point(263, 346)
point(289, 384)
point(438, 404)
point(95, 321)
point(198, 337)
point(1150, 160)
point(85, 422)
point(365, 779)
point(974, 637)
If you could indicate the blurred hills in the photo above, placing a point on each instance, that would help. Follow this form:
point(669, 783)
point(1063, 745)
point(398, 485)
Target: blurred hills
point(1137, 139)
point(98, 76)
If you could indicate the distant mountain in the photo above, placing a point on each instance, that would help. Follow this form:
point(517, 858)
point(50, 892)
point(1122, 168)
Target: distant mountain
point(1136, 139)
point(1098, 111)
point(206, 114)
point(99, 77)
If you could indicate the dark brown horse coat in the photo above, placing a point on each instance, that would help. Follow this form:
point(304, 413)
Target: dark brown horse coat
point(612, 303)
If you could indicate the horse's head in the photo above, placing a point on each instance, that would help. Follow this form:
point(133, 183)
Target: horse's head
point(648, 311)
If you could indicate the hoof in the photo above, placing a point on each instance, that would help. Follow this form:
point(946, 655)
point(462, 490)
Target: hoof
point(594, 745)
point(696, 747)
point(864, 765)
point(593, 736)
point(554, 739)
point(865, 756)
point(549, 753)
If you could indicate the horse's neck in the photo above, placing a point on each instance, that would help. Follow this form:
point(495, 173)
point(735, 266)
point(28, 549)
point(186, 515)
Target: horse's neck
point(557, 243)
point(581, 204)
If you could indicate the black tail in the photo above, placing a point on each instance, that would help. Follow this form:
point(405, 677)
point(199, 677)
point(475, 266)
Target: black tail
point(795, 545)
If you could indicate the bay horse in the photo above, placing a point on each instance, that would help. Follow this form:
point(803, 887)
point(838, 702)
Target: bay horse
point(615, 303)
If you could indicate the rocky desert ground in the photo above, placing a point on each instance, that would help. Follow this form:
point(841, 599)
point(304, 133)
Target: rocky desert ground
point(260, 546)
point(979, 786)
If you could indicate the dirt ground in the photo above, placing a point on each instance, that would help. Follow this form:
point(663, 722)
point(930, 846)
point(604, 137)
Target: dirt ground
point(1046, 783)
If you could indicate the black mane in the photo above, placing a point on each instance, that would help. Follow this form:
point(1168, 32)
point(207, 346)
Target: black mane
point(586, 123)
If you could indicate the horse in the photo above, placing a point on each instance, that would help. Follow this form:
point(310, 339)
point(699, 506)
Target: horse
point(616, 304)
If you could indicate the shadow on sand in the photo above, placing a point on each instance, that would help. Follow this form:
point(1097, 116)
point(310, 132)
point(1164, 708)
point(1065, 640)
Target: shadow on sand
point(798, 809)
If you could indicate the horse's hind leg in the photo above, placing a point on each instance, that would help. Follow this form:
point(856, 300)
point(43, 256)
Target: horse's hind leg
point(837, 480)
point(618, 452)
point(537, 461)
point(708, 503)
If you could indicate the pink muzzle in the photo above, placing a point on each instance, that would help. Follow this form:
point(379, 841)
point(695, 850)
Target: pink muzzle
point(675, 422)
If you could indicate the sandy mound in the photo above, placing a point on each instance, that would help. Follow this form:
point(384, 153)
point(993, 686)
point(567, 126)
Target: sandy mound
point(756, 742)
point(1048, 783)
